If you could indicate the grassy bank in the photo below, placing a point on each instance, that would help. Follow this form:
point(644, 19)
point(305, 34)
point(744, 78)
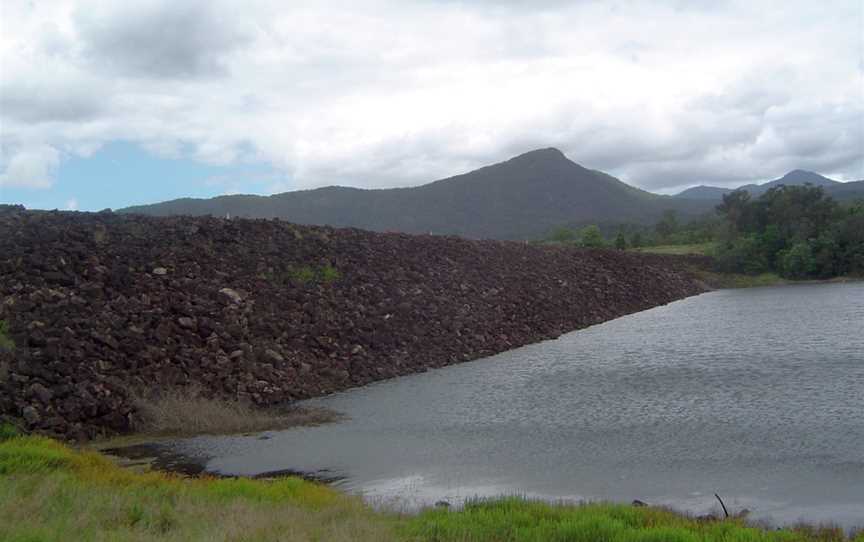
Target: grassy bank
point(51, 492)
point(713, 278)
point(735, 280)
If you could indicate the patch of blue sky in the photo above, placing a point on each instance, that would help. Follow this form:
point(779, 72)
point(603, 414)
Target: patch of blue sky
point(121, 174)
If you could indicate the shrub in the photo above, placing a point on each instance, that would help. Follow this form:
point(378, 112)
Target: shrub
point(590, 237)
point(326, 274)
point(303, 275)
point(329, 274)
point(741, 256)
point(562, 235)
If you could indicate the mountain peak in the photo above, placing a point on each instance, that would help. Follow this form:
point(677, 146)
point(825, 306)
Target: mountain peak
point(802, 176)
point(549, 153)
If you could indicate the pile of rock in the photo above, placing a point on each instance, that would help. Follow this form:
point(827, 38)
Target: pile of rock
point(104, 307)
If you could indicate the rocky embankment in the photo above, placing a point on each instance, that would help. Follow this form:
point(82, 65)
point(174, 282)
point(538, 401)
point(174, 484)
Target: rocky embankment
point(104, 307)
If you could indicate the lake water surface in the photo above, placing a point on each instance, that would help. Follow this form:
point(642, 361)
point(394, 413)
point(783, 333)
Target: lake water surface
point(756, 394)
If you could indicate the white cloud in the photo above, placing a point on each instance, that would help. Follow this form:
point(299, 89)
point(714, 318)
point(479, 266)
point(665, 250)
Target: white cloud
point(392, 92)
point(30, 167)
point(72, 204)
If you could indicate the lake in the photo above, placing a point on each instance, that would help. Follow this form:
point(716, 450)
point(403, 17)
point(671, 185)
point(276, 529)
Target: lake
point(755, 394)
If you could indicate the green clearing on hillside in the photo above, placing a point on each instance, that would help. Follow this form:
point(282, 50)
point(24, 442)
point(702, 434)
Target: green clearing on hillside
point(702, 249)
point(51, 492)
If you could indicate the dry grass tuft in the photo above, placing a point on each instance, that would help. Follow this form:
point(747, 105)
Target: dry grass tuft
point(188, 411)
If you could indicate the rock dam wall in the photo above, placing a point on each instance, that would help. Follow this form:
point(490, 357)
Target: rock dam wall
point(104, 307)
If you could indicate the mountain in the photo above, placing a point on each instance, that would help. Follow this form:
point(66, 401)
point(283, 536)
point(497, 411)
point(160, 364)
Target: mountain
point(847, 191)
point(521, 198)
point(797, 177)
point(703, 192)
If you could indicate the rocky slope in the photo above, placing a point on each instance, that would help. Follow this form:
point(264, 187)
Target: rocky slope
point(104, 306)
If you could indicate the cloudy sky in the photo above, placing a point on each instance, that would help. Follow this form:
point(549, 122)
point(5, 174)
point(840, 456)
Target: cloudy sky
point(109, 103)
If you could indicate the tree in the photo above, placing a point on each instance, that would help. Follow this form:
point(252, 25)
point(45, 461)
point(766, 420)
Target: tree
point(770, 244)
point(797, 231)
point(742, 255)
point(636, 240)
point(799, 212)
point(798, 262)
point(849, 235)
point(590, 236)
point(562, 235)
point(667, 225)
point(735, 209)
point(620, 241)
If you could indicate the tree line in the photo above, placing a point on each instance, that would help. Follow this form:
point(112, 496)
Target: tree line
point(798, 232)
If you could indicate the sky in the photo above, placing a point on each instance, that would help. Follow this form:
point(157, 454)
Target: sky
point(109, 104)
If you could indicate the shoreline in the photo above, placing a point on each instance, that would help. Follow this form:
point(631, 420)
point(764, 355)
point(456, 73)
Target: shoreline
point(783, 521)
point(132, 504)
point(734, 281)
point(154, 456)
point(105, 309)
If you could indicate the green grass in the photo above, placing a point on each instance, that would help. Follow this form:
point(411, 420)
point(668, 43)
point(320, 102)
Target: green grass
point(7, 431)
point(329, 274)
point(6, 343)
point(325, 274)
point(51, 492)
point(519, 520)
point(736, 280)
point(302, 275)
point(702, 249)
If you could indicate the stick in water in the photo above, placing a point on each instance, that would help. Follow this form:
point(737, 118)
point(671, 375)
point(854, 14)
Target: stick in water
point(723, 505)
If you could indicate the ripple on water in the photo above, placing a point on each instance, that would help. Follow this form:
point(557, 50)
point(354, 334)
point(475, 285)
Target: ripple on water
point(755, 394)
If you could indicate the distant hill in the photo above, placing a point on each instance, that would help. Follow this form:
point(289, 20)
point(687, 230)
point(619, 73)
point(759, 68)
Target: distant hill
point(796, 177)
point(847, 191)
point(703, 192)
point(522, 198)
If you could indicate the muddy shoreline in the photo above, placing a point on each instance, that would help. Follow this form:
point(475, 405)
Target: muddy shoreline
point(162, 455)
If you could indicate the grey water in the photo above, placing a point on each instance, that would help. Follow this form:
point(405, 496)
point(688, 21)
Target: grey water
point(755, 394)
